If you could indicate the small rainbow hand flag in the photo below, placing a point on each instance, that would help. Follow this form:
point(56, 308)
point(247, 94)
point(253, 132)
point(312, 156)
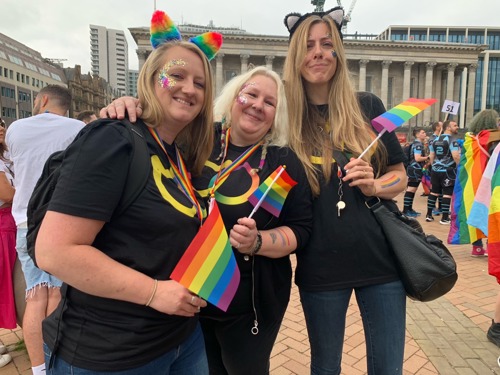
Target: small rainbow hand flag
point(401, 113)
point(208, 268)
point(397, 116)
point(271, 194)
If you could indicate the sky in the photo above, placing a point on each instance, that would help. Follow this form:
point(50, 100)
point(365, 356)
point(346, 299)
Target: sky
point(59, 29)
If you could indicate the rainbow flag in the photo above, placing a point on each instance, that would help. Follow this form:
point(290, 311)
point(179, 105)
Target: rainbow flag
point(485, 212)
point(277, 191)
point(398, 115)
point(426, 181)
point(208, 268)
point(469, 172)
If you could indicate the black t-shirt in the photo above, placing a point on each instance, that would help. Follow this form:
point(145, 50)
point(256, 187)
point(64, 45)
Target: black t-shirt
point(103, 334)
point(272, 276)
point(443, 146)
point(350, 250)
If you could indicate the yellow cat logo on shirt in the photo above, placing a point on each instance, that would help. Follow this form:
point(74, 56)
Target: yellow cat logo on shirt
point(160, 171)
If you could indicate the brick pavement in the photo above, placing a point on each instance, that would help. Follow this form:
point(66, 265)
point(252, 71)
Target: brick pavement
point(445, 336)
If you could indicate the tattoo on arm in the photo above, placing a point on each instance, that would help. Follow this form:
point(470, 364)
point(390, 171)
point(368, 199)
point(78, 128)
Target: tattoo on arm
point(273, 237)
point(390, 181)
point(284, 238)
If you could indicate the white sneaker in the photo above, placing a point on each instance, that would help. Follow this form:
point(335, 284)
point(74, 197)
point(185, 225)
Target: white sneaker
point(5, 360)
point(3, 349)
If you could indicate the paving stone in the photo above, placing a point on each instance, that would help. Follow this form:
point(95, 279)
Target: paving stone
point(444, 337)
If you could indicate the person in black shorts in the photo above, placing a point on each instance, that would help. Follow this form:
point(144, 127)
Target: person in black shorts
point(444, 156)
point(414, 171)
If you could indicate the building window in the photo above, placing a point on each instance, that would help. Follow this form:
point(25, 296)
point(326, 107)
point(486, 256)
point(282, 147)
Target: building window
point(402, 36)
point(493, 91)
point(475, 38)
point(456, 37)
point(437, 36)
point(418, 35)
point(493, 40)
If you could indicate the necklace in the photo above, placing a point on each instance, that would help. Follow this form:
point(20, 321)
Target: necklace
point(224, 173)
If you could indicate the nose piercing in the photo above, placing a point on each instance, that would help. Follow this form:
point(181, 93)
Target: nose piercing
point(334, 53)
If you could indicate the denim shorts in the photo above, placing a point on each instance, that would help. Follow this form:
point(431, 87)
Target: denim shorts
point(33, 275)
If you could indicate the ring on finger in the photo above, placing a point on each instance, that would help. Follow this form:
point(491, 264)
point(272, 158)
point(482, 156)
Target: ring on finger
point(192, 300)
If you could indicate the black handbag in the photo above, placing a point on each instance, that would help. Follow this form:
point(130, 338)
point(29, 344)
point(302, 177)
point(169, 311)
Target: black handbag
point(425, 265)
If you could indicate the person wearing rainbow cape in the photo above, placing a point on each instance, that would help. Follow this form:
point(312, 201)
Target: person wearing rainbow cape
point(120, 311)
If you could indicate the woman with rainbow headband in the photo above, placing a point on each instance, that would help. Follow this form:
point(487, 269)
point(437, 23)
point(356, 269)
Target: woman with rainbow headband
point(329, 129)
point(120, 312)
point(249, 147)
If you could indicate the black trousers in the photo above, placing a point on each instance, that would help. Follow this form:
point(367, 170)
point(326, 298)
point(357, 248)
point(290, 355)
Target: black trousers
point(231, 347)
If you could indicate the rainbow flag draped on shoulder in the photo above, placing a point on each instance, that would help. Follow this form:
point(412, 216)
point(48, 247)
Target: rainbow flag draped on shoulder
point(469, 172)
point(208, 266)
point(485, 213)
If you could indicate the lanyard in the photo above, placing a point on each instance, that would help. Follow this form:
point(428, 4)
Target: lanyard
point(224, 173)
point(181, 175)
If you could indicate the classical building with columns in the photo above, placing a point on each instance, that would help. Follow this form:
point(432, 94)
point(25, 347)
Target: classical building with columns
point(391, 66)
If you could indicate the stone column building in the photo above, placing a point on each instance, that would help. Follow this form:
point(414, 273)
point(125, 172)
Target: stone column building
point(392, 70)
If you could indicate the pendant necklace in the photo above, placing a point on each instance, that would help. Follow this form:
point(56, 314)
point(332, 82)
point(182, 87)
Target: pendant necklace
point(340, 204)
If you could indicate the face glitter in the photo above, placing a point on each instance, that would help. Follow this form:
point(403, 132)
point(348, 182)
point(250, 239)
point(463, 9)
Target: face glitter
point(165, 80)
point(241, 98)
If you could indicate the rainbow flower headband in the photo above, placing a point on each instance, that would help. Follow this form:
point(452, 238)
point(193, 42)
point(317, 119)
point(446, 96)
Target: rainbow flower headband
point(164, 30)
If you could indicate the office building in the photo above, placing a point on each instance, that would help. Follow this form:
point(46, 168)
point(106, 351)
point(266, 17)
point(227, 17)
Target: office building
point(109, 55)
point(132, 77)
point(23, 72)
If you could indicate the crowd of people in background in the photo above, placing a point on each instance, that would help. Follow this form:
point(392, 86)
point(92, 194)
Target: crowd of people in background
point(205, 152)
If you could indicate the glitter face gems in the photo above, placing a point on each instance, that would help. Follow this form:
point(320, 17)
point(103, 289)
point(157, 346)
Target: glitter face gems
point(165, 80)
point(242, 98)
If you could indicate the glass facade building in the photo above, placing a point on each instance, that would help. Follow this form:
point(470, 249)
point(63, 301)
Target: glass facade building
point(487, 86)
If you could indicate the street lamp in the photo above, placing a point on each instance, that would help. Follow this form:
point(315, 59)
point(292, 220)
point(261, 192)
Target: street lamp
point(318, 4)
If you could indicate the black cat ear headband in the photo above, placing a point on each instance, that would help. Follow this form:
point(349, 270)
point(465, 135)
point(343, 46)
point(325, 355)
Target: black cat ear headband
point(293, 20)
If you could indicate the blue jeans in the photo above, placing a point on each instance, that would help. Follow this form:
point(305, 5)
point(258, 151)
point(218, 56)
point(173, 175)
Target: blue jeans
point(189, 358)
point(383, 310)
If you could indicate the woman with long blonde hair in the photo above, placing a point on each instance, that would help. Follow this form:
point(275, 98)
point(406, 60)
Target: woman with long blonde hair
point(329, 129)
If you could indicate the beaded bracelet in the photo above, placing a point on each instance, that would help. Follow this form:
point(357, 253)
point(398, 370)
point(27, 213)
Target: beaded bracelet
point(258, 245)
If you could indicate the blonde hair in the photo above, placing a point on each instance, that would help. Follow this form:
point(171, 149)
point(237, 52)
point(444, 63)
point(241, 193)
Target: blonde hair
point(196, 139)
point(278, 135)
point(349, 129)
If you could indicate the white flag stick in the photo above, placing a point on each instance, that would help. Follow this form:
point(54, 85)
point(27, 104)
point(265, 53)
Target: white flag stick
point(266, 192)
point(371, 144)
